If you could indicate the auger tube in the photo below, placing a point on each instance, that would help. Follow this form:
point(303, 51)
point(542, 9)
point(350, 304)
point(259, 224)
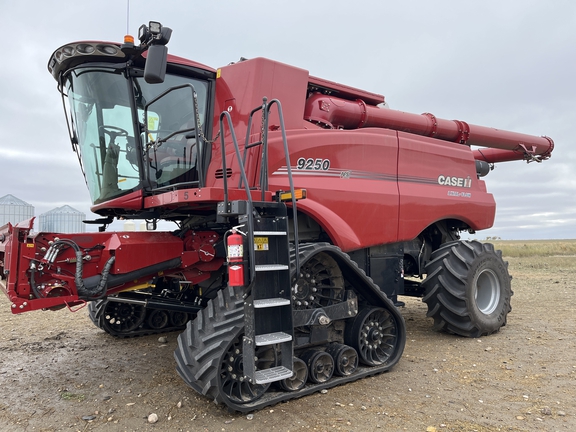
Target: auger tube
point(333, 112)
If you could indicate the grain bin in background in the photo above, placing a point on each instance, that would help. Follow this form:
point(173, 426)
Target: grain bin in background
point(14, 210)
point(63, 219)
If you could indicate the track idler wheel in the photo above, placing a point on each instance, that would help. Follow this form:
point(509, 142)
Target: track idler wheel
point(345, 359)
point(178, 319)
point(157, 319)
point(320, 365)
point(298, 380)
point(373, 334)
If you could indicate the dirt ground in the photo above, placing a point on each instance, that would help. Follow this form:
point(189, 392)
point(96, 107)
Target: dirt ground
point(58, 372)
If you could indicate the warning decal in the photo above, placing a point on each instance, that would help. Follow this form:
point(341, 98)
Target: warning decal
point(261, 243)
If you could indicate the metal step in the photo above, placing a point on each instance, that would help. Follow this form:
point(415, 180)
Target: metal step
point(271, 302)
point(271, 267)
point(277, 373)
point(269, 233)
point(272, 338)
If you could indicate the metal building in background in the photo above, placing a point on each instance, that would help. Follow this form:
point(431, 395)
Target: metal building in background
point(63, 219)
point(14, 210)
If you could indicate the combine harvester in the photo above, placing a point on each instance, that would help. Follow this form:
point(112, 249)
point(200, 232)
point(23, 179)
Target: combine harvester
point(292, 247)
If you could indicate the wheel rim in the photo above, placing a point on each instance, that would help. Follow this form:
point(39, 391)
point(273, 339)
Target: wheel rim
point(232, 382)
point(123, 317)
point(374, 334)
point(320, 283)
point(486, 291)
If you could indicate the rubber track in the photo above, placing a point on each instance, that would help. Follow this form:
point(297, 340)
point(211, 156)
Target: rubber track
point(96, 314)
point(207, 338)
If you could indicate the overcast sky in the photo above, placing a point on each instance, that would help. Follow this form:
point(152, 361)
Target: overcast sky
point(504, 64)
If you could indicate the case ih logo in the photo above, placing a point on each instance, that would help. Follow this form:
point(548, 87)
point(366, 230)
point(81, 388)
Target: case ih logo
point(455, 181)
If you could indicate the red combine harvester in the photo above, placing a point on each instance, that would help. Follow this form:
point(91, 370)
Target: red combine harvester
point(290, 249)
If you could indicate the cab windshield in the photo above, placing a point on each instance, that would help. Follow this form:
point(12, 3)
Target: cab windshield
point(107, 118)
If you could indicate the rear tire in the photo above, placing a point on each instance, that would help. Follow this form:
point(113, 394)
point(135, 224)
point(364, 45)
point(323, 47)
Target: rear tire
point(467, 289)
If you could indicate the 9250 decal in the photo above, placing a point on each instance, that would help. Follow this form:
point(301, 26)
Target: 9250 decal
point(313, 164)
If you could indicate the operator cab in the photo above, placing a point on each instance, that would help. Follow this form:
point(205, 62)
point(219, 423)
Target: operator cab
point(122, 141)
point(132, 132)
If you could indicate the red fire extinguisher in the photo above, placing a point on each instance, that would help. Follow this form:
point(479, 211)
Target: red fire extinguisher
point(235, 248)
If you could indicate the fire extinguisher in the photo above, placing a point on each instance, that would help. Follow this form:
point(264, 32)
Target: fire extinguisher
point(235, 249)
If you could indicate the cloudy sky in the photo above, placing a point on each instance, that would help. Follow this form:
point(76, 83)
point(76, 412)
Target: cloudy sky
point(504, 64)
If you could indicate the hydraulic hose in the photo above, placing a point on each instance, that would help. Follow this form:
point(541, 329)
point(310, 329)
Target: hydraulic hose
point(95, 287)
point(33, 281)
point(50, 257)
point(94, 284)
point(99, 290)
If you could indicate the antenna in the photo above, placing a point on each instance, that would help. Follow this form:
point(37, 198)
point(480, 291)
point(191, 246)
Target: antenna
point(127, 16)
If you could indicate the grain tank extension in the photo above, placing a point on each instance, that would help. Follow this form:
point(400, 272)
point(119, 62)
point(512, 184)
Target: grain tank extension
point(303, 209)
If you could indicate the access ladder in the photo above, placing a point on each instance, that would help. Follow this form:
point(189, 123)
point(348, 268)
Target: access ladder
point(268, 291)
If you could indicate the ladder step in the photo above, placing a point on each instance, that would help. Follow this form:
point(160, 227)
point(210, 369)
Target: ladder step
point(269, 233)
point(271, 267)
point(277, 373)
point(271, 302)
point(272, 338)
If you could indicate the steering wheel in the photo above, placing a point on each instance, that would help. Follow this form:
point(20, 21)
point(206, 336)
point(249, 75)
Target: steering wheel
point(113, 131)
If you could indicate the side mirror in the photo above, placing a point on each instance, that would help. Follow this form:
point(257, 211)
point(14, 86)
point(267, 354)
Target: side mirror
point(155, 69)
point(154, 39)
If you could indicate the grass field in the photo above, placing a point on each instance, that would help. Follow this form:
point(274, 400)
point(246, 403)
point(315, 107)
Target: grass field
point(530, 248)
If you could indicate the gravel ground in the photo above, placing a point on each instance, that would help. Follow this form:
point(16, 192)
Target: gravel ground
point(59, 372)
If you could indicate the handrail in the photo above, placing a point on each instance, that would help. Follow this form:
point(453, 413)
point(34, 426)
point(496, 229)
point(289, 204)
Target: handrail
point(290, 179)
point(265, 107)
point(247, 144)
point(226, 114)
